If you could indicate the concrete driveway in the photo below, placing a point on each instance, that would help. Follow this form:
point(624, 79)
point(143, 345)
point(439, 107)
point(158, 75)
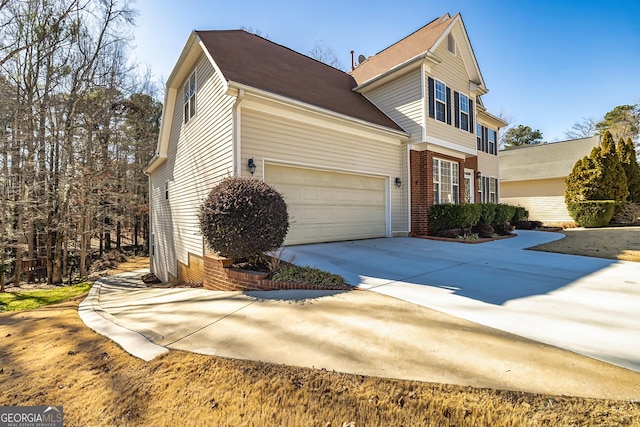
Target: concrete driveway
point(590, 306)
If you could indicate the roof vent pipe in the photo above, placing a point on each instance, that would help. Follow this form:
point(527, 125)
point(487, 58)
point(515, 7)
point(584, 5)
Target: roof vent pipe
point(353, 63)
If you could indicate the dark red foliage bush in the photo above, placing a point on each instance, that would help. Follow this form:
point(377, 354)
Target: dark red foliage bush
point(243, 218)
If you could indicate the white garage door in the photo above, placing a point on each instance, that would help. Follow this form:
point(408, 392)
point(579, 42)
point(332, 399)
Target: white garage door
point(327, 206)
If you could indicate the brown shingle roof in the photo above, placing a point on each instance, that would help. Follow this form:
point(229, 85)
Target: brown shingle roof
point(256, 62)
point(409, 47)
point(544, 161)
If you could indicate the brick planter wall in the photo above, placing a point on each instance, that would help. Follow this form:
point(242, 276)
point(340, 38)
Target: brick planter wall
point(219, 275)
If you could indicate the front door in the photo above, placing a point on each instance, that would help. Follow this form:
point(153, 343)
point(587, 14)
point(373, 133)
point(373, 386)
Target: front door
point(469, 188)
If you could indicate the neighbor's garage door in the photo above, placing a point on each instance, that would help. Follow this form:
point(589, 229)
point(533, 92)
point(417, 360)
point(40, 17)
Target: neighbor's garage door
point(327, 206)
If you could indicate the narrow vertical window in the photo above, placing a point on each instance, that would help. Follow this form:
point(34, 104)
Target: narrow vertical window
point(464, 112)
point(493, 197)
point(451, 44)
point(190, 97)
point(479, 137)
point(441, 101)
point(492, 142)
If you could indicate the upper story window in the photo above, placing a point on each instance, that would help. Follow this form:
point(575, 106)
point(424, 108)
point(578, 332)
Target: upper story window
point(487, 140)
point(492, 141)
point(441, 101)
point(464, 112)
point(451, 44)
point(190, 97)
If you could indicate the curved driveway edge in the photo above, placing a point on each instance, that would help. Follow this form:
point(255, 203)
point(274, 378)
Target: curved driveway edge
point(92, 314)
point(359, 332)
point(582, 304)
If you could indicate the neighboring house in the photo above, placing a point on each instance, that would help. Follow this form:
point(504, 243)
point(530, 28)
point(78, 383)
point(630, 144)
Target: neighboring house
point(356, 155)
point(533, 176)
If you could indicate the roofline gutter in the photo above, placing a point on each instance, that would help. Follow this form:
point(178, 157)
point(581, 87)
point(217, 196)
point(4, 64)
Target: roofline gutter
point(300, 104)
point(533, 179)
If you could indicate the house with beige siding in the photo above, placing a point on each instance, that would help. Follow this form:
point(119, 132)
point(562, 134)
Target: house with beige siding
point(533, 176)
point(356, 155)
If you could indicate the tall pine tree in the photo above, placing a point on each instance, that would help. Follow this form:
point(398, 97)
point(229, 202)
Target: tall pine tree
point(627, 156)
point(599, 176)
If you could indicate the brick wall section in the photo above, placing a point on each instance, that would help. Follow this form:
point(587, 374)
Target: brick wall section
point(219, 275)
point(420, 199)
point(421, 164)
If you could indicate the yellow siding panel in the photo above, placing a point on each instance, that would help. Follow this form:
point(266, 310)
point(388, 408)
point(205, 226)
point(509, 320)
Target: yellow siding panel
point(199, 155)
point(401, 99)
point(276, 138)
point(451, 71)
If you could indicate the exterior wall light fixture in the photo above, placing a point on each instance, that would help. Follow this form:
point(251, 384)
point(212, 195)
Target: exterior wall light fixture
point(252, 165)
point(398, 182)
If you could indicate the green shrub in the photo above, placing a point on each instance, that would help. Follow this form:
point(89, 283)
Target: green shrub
point(243, 218)
point(521, 215)
point(445, 216)
point(487, 213)
point(504, 213)
point(600, 176)
point(592, 213)
point(308, 275)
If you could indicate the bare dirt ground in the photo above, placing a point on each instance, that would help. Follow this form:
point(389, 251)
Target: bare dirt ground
point(49, 357)
point(621, 243)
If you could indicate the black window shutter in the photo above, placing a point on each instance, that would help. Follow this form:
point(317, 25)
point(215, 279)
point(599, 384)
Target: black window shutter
point(448, 106)
point(456, 101)
point(485, 140)
point(432, 91)
point(472, 128)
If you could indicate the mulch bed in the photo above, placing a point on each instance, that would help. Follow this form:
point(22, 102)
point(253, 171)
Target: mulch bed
point(468, 241)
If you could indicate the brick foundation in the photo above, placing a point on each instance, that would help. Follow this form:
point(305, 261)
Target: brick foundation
point(219, 275)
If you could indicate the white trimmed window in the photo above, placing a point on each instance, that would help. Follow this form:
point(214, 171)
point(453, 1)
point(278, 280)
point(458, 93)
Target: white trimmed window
point(479, 136)
point(446, 181)
point(492, 141)
point(488, 190)
point(441, 101)
point(464, 112)
point(190, 97)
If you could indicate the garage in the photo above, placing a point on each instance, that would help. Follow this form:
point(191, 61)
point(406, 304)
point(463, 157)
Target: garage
point(328, 206)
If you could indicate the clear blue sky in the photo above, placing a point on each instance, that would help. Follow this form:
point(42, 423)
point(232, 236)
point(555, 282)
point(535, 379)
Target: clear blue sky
point(547, 63)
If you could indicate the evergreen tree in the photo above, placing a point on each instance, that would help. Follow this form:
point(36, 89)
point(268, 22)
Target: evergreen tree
point(599, 176)
point(627, 156)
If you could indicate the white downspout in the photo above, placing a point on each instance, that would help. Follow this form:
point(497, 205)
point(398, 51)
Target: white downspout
point(236, 117)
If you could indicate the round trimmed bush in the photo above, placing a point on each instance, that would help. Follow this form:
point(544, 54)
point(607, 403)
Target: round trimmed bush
point(243, 218)
point(592, 213)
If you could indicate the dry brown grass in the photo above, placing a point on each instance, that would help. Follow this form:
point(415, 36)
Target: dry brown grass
point(48, 357)
point(621, 243)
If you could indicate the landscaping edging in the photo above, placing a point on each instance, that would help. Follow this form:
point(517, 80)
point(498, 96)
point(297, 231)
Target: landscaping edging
point(468, 241)
point(220, 275)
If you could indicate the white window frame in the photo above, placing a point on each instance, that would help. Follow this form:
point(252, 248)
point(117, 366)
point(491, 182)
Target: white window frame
point(452, 185)
point(479, 136)
point(492, 143)
point(443, 102)
point(493, 190)
point(464, 111)
point(189, 100)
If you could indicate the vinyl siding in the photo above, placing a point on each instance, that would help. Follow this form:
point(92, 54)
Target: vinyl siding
point(199, 155)
point(279, 139)
point(544, 199)
point(401, 99)
point(451, 71)
point(488, 164)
